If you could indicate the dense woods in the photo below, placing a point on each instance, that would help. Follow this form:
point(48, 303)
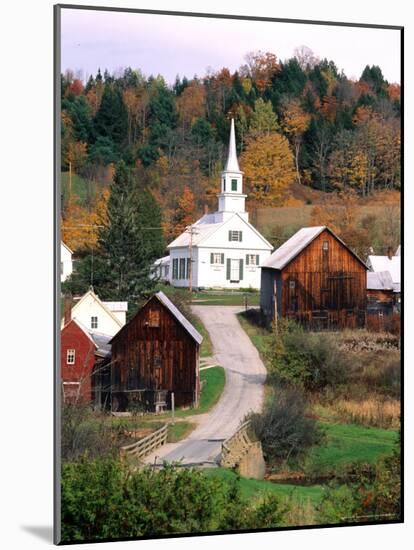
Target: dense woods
point(299, 122)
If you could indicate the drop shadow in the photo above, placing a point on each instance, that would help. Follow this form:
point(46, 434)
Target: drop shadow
point(43, 532)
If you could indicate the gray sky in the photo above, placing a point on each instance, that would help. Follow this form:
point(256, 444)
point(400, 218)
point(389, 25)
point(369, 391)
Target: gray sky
point(169, 45)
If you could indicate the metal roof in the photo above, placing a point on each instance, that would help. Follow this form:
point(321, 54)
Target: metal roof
point(116, 306)
point(179, 316)
point(384, 263)
point(291, 248)
point(102, 342)
point(288, 251)
point(162, 261)
point(380, 280)
point(204, 227)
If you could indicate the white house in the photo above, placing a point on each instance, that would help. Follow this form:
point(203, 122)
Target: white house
point(160, 269)
point(98, 316)
point(66, 265)
point(389, 263)
point(224, 249)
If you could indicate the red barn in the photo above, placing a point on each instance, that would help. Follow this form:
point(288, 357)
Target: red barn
point(80, 350)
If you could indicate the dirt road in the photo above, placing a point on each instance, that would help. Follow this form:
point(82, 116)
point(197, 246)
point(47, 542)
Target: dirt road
point(243, 392)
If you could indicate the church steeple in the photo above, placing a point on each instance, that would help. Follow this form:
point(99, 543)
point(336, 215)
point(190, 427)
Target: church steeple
point(232, 164)
point(231, 198)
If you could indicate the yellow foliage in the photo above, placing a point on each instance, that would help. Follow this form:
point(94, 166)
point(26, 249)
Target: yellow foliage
point(268, 166)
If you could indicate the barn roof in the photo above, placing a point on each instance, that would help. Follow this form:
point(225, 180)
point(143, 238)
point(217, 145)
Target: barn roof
point(179, 316)
point(101, 342)
point(288, 251)
point(384, 263)
point(380, 280)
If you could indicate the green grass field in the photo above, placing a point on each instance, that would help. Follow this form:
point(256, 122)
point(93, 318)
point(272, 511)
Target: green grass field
point(212, 298)
point(206, 348)
point(347, 443)
point(179, 430)
point(252, 489)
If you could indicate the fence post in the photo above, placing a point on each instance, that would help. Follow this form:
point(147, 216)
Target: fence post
point(172, 408)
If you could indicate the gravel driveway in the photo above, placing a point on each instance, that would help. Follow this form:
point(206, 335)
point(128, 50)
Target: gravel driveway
point(243, 392)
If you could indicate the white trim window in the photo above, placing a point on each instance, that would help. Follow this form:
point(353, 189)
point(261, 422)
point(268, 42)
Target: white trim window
point(235, 235)
point(70, 356)
point(216, 258)
point(252, 259)
point(94, 321)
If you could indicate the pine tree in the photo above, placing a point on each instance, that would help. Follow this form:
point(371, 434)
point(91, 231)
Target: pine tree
point(132, 237)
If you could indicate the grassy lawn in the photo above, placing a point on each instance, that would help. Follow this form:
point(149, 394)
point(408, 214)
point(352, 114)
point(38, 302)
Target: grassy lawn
point(259, 336)
point(206, 349)
point(253, 489)
point(207, 298)
point(346, 443)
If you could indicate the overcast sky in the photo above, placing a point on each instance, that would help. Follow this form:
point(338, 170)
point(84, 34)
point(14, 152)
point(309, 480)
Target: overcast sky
point(170, 45)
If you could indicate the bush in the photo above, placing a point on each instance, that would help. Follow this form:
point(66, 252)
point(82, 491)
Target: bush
point(102, 498)
point(283, 428)
point(311, 360)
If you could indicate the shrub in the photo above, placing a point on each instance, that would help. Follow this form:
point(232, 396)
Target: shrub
point(102, 498)
point(283, 428)
point(312, 360)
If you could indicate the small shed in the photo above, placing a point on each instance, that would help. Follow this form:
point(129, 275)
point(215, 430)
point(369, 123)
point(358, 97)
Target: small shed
point(154, 356)
point(315, 279)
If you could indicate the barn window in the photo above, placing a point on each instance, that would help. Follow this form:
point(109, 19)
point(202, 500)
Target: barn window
point(157, 360)
point(292, 285)
point(70, 357)
point(234, 185)
point(94, 321)
point(325, 245)
point(235, 236)
point(154, 318)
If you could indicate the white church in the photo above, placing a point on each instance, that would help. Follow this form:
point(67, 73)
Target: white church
point(224, 249)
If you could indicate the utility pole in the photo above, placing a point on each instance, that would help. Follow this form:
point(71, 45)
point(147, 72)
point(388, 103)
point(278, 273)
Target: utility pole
point(275, 319)
point(193, 231)
point(70, 180)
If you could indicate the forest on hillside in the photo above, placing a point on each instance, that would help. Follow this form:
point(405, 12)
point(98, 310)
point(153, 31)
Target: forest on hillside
point(300, 123)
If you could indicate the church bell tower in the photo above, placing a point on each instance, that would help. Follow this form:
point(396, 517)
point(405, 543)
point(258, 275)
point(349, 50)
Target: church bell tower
point(231, 198)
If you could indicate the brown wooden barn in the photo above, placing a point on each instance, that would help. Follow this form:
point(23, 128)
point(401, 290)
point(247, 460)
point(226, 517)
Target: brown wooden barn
point(154, 355)
point(317, 279)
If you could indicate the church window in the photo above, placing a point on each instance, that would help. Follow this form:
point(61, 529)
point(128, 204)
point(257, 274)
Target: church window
point(175, 268)
point(252, 259)
point(224, 184)
point(217, 258)
point(182, 269)
point(234, 185)
point(235, 236)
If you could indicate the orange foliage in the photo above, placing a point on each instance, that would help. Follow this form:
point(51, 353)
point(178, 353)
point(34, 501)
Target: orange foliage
point(394, 91)
point(261, 67)
point(75, 88)
point(79, 227)
point(191, 103)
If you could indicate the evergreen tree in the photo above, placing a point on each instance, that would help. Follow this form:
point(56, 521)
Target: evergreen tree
point(132, 238)
point(111, 120)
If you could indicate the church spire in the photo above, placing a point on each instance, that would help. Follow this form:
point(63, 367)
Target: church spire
point(232, 164)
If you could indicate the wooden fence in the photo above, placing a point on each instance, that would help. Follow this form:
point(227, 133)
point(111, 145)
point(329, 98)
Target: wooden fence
point(146, 445)
point(236, 446)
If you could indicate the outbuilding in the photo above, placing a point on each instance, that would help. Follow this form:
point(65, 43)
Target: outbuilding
point(315, 279)
point(154, 356)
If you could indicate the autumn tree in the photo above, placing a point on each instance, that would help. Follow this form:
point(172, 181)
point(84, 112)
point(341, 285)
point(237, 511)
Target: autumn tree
point(295, 122)
point(268, 166)
point(184, 214)
point(191, 104)
point(260, 67)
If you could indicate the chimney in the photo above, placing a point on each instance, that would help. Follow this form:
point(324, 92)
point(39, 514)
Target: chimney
point(389, 253)
point(206, 209)
point(67, 310)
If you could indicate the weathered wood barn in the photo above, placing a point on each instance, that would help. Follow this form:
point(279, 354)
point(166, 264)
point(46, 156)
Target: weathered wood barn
point(315, 279)
point(154, 355)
